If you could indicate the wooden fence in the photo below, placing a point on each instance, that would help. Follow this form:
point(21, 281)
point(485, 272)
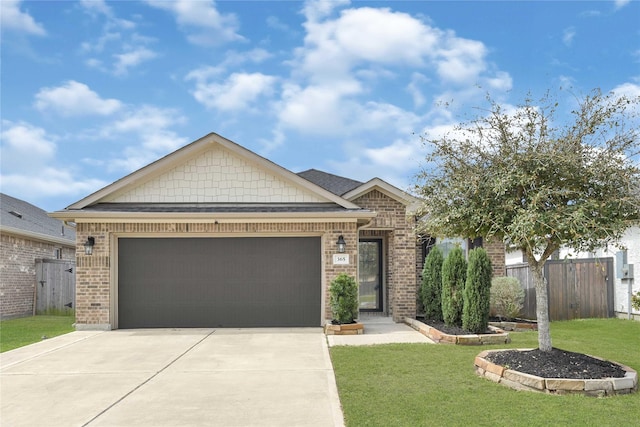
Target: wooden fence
point(577, 288)
point(55, 286)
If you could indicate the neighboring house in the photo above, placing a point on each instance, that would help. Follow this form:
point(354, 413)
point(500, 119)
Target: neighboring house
point(214, 235)
point(631, 241)
point(27, 233)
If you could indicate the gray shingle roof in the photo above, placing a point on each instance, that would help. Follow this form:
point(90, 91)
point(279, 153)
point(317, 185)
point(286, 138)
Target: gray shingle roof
point(20, 215)
point(338, 185)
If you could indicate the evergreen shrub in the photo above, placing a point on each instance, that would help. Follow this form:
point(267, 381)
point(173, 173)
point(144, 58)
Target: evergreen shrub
point(477, 290)
point(454, 274)
point(431, 288)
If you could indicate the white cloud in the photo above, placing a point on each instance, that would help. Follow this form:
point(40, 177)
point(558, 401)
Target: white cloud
point(415, 88)
point(398, 155)
point(49, 182)
point(255, 56)
point(132, 58)
point(318, 9)
point(383, 36)
point(318, 109)
point(502, 81)
point(14, 19)
point(24, 141)
point(202, 21)
point(122, 47)
point(149, 133)
point(237, 92)
point(568, 35)
point(631, 90)
point(621, 3)
point(27, 154)
point(147, 118)
point(460, 60)
point(344, 57)
point(75, 99)
point(96, 8)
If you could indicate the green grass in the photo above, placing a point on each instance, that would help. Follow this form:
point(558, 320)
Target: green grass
point(16, 333)
point(435, 385)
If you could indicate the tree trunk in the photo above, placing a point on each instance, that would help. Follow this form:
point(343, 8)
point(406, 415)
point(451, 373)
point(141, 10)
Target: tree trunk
point(542, 306)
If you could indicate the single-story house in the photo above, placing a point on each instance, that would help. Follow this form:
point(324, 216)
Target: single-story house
point(214, 235)
point(27, 233)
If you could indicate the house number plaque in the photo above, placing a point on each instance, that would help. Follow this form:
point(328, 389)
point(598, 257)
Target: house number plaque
point(340, 259)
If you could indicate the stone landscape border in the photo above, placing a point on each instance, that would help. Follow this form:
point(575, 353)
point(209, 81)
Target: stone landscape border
point(588, 387)
point(498, 337)
point(346, 329)
point(515, 326)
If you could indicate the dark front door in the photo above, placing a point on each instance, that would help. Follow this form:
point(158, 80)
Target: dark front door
point(219, 282)
point(370, 270)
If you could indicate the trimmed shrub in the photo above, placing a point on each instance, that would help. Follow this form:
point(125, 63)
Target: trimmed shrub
point(344, 299)
point(507, 297)
point(431, 288)
point(477, 290)
point(454, 275)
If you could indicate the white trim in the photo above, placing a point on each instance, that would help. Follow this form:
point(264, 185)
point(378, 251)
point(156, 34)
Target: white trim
point(207, 217)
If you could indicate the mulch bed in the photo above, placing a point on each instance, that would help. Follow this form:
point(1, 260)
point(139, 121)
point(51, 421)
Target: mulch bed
point(450, 330)
point(553, 364)
point(556, 364)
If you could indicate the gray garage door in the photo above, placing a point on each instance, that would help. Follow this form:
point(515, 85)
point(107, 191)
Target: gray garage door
point(219, 282)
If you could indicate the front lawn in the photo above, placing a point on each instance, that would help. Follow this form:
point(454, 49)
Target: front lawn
point(435, 385)
point(16, 333)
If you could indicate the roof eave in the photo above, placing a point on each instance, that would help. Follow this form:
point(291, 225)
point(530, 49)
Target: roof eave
point(37, 236)
point(212, 217)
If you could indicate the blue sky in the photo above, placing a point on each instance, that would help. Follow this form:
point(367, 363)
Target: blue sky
point(93, 90)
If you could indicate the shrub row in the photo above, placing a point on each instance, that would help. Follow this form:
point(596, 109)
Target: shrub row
point(462, 293)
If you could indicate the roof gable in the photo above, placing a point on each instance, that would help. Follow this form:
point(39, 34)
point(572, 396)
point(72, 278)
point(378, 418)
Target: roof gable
point(385, 188)
point(212, 170)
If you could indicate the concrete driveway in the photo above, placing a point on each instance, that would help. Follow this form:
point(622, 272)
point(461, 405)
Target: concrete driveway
point(172, 377)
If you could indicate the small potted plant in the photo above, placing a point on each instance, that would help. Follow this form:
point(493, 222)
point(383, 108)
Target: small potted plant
point(344, 307)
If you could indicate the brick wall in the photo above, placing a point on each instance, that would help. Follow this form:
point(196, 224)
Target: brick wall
point(398, 229)
point(18, 272)
point(496, 251)
point(94, 281)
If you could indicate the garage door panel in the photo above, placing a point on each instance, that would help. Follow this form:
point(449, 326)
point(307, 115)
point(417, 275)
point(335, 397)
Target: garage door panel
point(222, 282)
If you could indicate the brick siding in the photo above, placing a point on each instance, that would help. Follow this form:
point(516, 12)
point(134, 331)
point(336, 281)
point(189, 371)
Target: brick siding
point(94, 279)
point(18, 272)
point(397, 227)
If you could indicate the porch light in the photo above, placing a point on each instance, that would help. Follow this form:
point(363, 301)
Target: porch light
point(88, 245)
point(342, 245)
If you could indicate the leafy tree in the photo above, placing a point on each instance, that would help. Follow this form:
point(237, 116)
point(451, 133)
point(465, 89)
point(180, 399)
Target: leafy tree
point(431, 289)
point(521, 176)
point(454, 274)
point(477, 292)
